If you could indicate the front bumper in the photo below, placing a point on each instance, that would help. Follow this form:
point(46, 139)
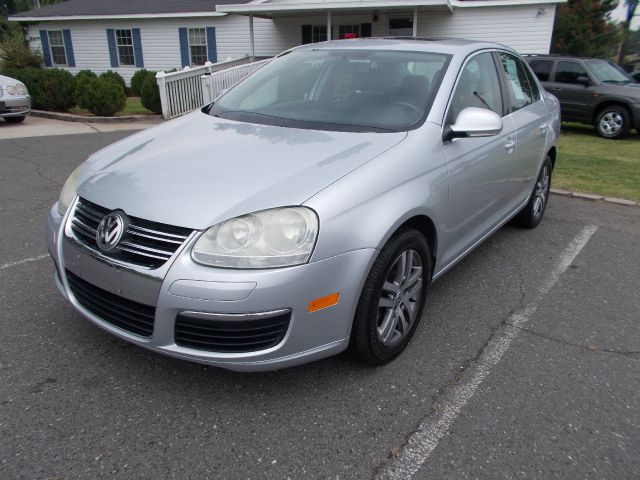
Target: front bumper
point(635, 111)
point(189, 287)
point(15, 106)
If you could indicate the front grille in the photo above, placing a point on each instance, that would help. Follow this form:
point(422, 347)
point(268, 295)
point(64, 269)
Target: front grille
point(231, 335)
point(123, 313)
point(146, 244)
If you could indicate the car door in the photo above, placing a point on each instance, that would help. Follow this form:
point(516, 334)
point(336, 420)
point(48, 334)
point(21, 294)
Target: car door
point(574, 96)
point(530, 121)
point(480, 168)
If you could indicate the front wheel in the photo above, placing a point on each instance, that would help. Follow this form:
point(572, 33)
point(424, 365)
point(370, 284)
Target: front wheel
point(14, 119)
point(613, 122)
point(392, 299)
point(531, 214)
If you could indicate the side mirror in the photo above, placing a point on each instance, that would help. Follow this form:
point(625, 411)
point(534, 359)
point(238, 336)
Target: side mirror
point(474, 122)
point(583, 80)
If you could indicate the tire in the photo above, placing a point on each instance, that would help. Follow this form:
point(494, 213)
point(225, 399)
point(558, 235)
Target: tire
point(14, 119)
point(531, 215)
point(613, 122)
point(379, 332)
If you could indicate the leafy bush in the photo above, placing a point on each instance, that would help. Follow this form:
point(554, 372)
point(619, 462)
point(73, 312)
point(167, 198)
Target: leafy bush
point(83, 87)
point(50, 89)
point(106, 96)
point(150, 94)
point(114, 76)
point(137, 80)
point(15, 53)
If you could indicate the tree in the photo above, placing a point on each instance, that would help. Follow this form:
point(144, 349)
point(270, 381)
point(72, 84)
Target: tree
point(585, 28)
point(632, 6)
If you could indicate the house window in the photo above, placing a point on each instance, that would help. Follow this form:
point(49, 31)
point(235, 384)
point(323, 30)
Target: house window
point(198, 46)
point(348, 31)
point(319, 33)
point(124, 42)
point(56, 45)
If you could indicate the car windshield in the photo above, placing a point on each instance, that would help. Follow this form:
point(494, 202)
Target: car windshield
point(343, 90)
point(607, 72)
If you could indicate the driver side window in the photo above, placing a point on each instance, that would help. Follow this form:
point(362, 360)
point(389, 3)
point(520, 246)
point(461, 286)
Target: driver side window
point(478, 86)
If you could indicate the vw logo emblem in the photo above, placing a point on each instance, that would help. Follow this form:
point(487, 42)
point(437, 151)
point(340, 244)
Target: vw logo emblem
point(110, 231)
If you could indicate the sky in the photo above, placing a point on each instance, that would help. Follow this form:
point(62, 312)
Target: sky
point(620, 12)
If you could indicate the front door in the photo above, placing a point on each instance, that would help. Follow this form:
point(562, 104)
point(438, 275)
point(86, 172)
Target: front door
point(574, 96)
point(480, 169)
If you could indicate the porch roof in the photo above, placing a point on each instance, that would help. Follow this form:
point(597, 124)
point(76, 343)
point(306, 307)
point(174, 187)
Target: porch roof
point(271, 8)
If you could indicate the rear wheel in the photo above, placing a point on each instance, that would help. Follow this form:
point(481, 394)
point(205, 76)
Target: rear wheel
point(613, 122)
point(533, 211)
point(392, 299)
point(14, 119)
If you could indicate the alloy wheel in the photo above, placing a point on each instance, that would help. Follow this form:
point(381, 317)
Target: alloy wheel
point(542, 191)
point(400, 298)
point(611, 123)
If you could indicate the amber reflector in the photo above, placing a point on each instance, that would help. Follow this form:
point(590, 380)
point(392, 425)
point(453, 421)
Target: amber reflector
point(324, 302)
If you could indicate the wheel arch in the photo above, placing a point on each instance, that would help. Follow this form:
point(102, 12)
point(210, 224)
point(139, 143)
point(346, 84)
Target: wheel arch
point(608, 103)
point(553, 154)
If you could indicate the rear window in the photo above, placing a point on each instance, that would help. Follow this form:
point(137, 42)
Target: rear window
point(542, 69)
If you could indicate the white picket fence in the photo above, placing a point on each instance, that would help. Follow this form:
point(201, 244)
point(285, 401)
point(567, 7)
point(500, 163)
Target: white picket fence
point(215, 83)
point(183, 91)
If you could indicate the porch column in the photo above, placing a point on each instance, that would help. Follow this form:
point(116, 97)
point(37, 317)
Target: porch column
point(415, 22)
point(328, 24)
point(253, 47)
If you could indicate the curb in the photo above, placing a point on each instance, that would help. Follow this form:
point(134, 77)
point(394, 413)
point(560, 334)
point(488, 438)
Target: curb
point(69, 117)
point(589, 196)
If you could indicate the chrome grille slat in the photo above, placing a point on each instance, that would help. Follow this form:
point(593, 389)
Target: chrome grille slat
point(145, 243)
point(158, 233)
point(152, 237)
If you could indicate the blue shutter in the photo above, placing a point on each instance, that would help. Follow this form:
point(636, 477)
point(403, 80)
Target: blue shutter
point(68, 48)
point(184, 46)
point(212, 52)
point(46, 53)
point(137, 47)
point(113, 53)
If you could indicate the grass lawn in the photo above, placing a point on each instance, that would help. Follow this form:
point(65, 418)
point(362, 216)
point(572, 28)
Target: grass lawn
point(132, 107)
point(590, 164)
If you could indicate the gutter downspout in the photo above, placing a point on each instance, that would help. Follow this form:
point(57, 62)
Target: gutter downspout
point(252, 54)
point(415, 22)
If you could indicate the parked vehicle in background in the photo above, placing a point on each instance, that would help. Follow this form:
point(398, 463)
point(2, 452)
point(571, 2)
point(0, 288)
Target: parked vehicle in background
point(636, 76)
point(592, 91)
point(308, 209)
point(15, 102)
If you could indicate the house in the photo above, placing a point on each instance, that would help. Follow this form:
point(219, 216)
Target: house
point(126, 35)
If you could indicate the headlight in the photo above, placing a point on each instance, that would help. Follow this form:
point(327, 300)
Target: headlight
point(21, 89)
point(68, 192)
point(279, 237)
point(11, 89)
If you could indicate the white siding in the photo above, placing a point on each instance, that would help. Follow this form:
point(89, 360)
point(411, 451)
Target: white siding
point(519, 27)
point(160, 42)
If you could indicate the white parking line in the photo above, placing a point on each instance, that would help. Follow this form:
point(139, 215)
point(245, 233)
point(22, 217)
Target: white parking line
point(425, 439)
point(26, 260)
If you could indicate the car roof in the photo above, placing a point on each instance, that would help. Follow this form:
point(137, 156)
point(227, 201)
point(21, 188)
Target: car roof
point(450, 46)
point(556, 56)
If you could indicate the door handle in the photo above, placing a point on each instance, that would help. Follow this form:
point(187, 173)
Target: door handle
point(543, 129)
point(509, 145)
point(555, 89)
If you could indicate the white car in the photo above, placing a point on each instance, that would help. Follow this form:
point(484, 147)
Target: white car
point(15, 102)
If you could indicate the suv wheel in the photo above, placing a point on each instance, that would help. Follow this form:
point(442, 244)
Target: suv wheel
point(613, 122)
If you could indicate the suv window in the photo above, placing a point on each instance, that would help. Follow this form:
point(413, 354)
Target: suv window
point(568, 72)
point(542, 69)
point(478, 87)
point(521, 92)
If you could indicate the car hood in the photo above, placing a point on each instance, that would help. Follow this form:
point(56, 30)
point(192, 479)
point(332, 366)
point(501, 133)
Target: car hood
point(5, 81)
point(631, 90)
point(198, 170)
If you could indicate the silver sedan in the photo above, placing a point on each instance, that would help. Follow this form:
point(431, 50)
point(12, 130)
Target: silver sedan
point(15, 102)
point(307, 210)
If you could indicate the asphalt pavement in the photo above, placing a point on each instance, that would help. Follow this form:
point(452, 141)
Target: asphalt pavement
point(561, 400)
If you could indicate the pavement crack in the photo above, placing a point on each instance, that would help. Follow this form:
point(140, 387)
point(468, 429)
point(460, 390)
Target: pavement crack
point(588, 348)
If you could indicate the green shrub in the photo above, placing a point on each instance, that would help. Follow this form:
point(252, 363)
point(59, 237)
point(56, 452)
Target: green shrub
point(137, 80)
point(83, 87)
point(15, 53)
point(106, 96)
point(150, 94)
point(58, 90)
point(115, 76)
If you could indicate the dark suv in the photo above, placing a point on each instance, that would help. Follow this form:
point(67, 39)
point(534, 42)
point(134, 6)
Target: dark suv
point(592, 91)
